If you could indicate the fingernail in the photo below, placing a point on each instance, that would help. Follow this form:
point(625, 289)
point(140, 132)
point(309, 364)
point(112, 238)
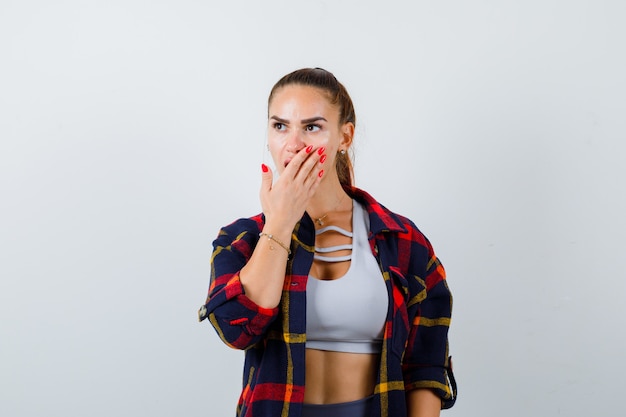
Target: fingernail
point(309, 149)
point(264, 168)
point(322, 159)
point(321, 173)
point(321, 150)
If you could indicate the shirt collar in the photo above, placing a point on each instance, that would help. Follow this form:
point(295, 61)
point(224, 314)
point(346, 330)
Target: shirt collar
point(381, 219)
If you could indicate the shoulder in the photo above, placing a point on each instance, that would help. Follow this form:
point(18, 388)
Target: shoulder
point(411, 249)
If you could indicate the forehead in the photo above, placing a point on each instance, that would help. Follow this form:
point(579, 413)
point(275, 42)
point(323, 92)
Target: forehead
point(301, 99)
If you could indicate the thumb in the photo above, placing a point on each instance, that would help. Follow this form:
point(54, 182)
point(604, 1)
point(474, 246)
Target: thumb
point(266, 178)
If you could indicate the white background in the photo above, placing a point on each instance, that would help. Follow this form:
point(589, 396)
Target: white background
point(130, 131)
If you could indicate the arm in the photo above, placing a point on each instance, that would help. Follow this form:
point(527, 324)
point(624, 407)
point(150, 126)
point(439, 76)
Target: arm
point(247, 273)
point(423, 403)
point(238, 320)
point(283, 204)
point(426, 365)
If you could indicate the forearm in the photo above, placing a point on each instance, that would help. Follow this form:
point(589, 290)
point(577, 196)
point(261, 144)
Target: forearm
point(263, 276)
point(423, 402)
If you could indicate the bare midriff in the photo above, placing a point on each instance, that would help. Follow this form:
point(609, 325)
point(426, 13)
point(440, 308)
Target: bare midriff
point(337, 377)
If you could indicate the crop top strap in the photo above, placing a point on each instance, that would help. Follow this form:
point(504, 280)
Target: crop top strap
point(335, 229)
point(333, 248)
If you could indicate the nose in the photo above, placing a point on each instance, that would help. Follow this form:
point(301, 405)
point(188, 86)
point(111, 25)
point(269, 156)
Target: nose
point(295, 142)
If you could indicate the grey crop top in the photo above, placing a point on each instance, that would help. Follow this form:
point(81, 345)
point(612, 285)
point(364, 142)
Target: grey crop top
point(348, 314)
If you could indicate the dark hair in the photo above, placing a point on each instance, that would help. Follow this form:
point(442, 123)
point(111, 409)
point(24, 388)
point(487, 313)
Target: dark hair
point(337, 95)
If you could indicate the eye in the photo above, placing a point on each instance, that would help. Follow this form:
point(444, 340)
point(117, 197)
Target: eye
point(279, 126)
point(312, 128)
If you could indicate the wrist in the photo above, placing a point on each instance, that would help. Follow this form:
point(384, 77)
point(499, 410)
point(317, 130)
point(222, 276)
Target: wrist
point(274, 240)
point(279, 229)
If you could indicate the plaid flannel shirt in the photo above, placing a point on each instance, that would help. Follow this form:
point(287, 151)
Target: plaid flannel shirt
point(415, 344)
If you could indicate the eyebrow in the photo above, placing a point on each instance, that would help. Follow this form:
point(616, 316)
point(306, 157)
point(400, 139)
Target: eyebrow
point(312, 120)
point(303, 121)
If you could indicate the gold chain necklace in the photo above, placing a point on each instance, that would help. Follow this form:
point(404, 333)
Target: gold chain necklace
point(320, 220)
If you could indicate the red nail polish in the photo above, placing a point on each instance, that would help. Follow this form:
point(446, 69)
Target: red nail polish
point(264, 168)
point(321, 150)
point(309, 149)
point(321, 173)
point(322, 159)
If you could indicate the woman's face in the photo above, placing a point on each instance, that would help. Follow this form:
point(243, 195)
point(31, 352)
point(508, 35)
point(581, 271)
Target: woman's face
point(300, 116)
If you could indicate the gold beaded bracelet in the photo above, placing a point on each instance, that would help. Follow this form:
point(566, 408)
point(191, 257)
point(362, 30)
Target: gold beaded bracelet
point(271, 237)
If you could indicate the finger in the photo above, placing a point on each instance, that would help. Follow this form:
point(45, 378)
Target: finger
point(267, 178)
point(303, 155)
point(313, 165)
point(313, 181)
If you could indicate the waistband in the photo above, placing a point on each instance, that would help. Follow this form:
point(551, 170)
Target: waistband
point(358, 408)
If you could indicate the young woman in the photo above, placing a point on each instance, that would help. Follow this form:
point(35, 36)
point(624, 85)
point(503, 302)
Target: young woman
point(341, 305)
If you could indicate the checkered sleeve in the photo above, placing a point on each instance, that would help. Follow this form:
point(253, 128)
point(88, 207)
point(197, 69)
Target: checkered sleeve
point(239, 322)
point(426, 363)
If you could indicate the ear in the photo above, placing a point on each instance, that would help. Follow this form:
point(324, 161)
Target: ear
point(347, 133)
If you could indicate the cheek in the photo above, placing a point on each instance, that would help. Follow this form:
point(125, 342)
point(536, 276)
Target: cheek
point(276, 138)
point(275, 143)
point(320, 139)
point(274, 149)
